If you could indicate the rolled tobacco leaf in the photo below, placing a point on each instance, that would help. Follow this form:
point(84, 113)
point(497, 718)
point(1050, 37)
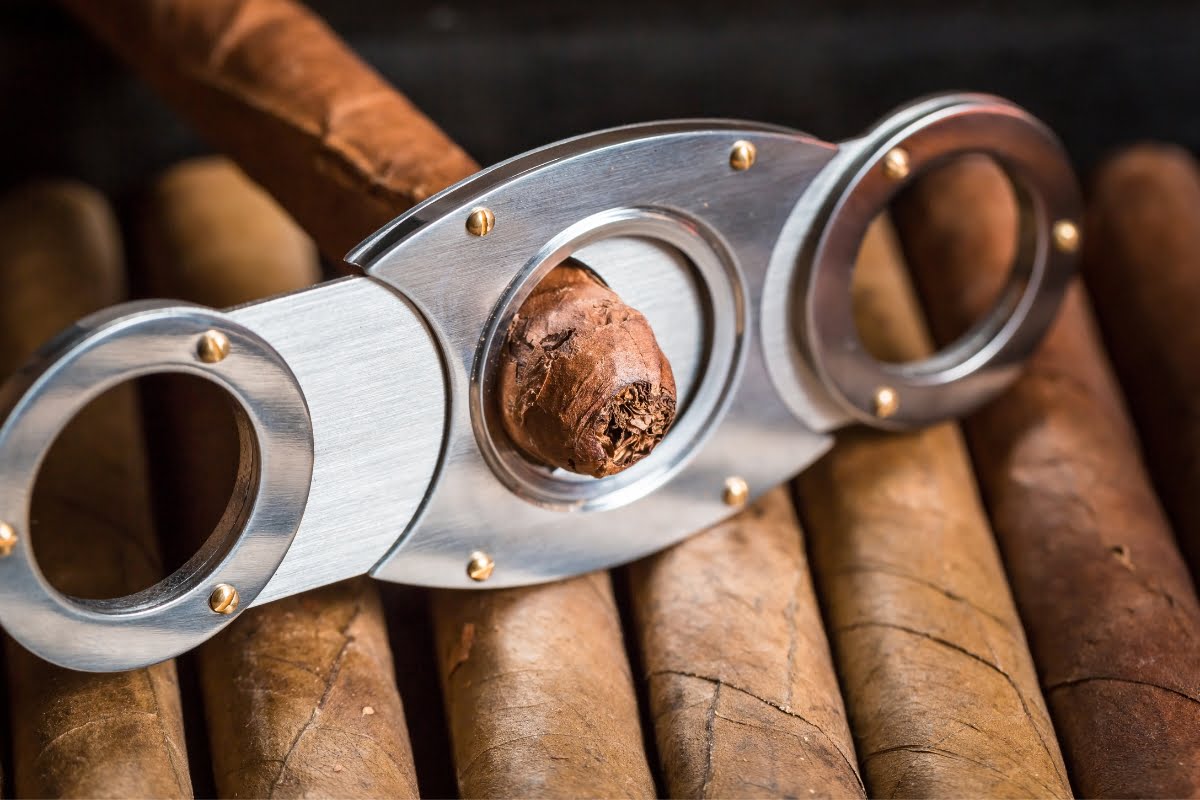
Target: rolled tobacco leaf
point(938, 678)
point(1111, 615)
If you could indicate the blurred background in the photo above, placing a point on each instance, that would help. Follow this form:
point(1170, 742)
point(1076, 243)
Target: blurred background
point(504, 77)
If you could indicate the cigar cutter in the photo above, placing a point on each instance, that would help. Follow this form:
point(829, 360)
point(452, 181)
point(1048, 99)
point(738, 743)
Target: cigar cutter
point(371, 441)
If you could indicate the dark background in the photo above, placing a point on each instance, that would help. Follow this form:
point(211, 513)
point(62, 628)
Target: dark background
point(502, 77)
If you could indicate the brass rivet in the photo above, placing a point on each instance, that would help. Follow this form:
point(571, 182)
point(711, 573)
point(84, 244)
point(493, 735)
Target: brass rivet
point(212, 347)
point(896, 164)
point(8, 539)
point(480, 567)
point(742, 156)
point(887, 402)
point(1066, 236)
point(737, 491)
point(480, 222)
point(224, 599)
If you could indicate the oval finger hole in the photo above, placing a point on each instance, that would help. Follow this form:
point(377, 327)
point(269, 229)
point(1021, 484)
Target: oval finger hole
point(890, 324)
point(987, 355)
point(174, 614)
point(93, 522)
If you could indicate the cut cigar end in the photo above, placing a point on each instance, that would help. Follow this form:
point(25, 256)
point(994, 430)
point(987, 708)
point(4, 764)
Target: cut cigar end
point(633, 424)
point(583, 383)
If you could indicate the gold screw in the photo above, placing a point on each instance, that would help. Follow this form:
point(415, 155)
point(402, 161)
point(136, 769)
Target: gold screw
point(895, 164)
point(213, 347)
point(224, 599)
point(1066, 236)
point(737, 491)
point(8, 539)
point(481, 566)
point(480, 222)
point(742, 156)
point(887, 402)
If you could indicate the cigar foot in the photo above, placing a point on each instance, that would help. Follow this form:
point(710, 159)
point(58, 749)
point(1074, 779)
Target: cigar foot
point(583, 383)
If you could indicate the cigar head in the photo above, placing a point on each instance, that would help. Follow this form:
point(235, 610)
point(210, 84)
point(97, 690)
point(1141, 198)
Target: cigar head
point(583, 383)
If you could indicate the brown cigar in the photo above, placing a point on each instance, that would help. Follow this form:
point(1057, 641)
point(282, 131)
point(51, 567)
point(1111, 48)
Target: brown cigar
point(938, 678)
point(1141, 262)
point(568, 393)
point(78, 734)
point(1111, 615)
point(270, 84)
point(343, 152)
point(300, 694)
point(743, 695)
point(539, 692)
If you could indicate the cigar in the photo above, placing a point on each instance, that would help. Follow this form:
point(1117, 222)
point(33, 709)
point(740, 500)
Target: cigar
point(938, 679)
point(742, 691)
point(568, 394)
point(1141, 263)
point(79, 734)
point(300, 694)
point(539, 692)
point(267, 82)
point(344, 153)
point(1110, 612)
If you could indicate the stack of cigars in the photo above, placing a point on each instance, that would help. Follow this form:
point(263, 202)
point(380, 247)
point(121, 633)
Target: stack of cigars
point(1001, 608)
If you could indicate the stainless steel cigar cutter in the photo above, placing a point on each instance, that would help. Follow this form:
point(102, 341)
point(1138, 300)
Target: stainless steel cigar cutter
point(370, 440)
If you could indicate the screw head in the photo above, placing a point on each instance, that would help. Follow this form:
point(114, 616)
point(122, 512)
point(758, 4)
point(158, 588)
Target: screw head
point(480, 566)
point(742, 155)
point(480, 222)
point(212, 347)
point(8, 539)
point(887, 402)
point(1066, 236)
point(224, 599)
point(736, 491)
point(896, 164)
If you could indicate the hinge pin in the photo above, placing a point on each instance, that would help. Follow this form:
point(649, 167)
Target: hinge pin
point(742, 156)
point(1066, 236)
point(480, 222)
point(887, 402)
point(736, 492)
point(212, 347)
point(224, 599)
point(480, 567)
point(896, 164)
point(8, 539)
